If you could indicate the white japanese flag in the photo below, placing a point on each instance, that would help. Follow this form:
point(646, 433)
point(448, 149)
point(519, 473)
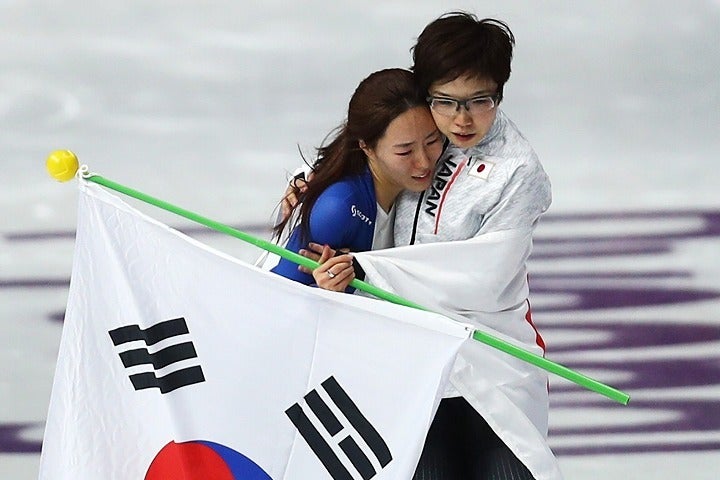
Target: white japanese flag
point(179, 362)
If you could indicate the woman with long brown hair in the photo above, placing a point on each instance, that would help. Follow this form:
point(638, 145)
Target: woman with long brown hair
point(389, 143)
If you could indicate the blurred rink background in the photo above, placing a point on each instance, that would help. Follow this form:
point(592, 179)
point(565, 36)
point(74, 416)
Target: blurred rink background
point(205, 104)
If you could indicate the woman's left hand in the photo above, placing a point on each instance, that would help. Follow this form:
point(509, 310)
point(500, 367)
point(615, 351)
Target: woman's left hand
point(335, 272)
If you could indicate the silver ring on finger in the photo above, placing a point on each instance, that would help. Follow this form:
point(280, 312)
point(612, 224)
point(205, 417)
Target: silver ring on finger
point(330, 274)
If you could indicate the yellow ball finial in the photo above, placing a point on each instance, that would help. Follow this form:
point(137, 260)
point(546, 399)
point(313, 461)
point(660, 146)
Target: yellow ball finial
point(62, 165)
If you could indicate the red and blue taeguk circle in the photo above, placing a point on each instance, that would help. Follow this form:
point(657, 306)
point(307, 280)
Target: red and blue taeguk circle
point(201, 460)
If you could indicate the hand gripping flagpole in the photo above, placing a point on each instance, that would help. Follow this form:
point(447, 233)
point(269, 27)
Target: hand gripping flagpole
point(63, 165)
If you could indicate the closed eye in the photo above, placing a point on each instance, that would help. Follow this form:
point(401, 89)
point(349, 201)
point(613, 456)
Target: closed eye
point(433, 138)
point(481, 100)
point(444, 102)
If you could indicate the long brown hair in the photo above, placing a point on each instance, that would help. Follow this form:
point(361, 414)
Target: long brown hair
point(377, 101)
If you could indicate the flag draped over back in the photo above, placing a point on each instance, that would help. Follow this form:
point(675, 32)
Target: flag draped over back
point(482, 281)
point(177, 361)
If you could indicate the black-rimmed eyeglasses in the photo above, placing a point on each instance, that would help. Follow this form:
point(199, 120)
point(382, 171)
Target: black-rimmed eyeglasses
point(449, 107)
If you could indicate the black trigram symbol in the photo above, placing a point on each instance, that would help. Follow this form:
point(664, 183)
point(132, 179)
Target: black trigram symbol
point(161, 358)
point(359, 426)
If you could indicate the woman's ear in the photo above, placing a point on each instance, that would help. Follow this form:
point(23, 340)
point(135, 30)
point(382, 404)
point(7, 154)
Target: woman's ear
point(367, 150)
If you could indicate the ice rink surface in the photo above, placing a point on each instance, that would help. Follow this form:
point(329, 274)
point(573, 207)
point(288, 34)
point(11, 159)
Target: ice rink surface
point(205, 104)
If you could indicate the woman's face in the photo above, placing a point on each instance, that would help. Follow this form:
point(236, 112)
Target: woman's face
point(405, 156)
point(463, 128)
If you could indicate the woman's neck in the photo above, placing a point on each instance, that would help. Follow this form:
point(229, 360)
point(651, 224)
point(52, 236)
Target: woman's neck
point(385, 192)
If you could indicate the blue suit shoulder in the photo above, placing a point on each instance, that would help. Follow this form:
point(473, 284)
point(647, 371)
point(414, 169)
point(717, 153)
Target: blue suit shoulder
point(343, 216)
point(344, 201)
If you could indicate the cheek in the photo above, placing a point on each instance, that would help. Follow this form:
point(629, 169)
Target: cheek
point(443, 123)
point(393, 166)
point(435, 152)
point(485, 123)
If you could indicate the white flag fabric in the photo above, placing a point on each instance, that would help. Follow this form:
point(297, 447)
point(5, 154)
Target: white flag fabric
point(177, 361)
point(482, 281)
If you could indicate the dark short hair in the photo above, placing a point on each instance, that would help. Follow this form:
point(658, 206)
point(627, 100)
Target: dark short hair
point(458, 44)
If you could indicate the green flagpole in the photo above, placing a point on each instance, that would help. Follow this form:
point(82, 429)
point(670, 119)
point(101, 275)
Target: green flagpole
point(63, 165)
point(258, 242)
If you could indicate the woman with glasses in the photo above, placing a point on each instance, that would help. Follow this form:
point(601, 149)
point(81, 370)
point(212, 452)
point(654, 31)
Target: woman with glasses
point(489, 181)
point(388, 144)
point(489, 177)
point(473, 234)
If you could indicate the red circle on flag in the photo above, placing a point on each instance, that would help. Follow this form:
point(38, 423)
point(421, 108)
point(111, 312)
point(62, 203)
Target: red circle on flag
point(188, 461)
point(480, 168)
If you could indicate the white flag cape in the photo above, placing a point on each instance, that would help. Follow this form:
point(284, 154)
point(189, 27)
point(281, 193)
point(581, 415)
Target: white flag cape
point(481, 281)
point(177, 361)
